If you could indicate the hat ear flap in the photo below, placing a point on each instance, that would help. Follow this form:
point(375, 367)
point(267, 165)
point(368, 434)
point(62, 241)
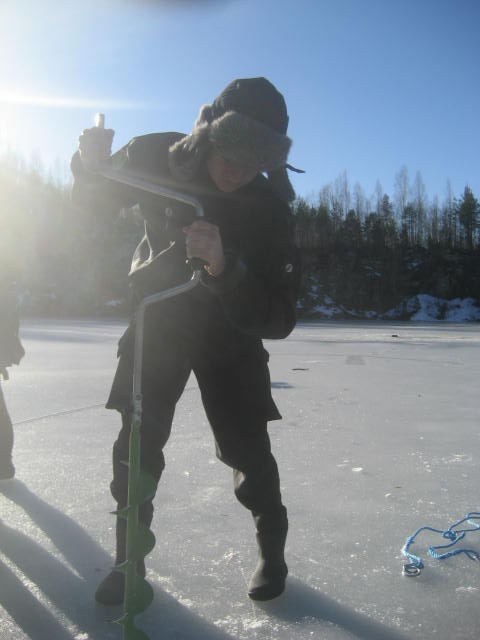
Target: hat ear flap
point(280, 184)
point(205, 116)
point(186, 155)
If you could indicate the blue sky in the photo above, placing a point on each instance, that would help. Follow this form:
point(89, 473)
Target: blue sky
point(370, 85)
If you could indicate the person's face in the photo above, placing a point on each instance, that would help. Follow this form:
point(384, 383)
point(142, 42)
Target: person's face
point(227, 175)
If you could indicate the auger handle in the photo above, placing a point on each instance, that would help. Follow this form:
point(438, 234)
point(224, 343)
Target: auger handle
point(133, 180)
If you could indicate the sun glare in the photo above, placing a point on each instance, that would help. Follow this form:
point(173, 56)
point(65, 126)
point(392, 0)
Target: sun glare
point(58, 102)
point(28, 121)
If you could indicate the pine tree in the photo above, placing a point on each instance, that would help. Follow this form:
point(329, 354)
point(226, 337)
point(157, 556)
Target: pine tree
point(468, 210)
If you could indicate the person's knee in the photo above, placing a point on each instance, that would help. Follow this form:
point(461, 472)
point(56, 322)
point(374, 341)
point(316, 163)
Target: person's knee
point(257, 487)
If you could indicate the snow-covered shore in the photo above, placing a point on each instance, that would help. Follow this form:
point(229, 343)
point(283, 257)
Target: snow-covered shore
point(420, 308)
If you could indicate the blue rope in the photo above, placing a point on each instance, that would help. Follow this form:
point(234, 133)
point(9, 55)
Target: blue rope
point(453, 534)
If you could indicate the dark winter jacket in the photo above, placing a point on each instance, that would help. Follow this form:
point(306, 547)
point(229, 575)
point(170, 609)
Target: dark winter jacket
point(11, 350)
point(254, 298)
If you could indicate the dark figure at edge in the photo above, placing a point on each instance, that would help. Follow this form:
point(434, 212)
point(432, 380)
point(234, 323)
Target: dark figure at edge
point(11, 352)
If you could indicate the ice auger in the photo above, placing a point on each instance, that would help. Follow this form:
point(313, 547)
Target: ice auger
point(141, 485)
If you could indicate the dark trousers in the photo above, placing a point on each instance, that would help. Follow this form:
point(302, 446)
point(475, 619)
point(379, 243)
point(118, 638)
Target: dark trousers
point(237, 400)
point(6, 432)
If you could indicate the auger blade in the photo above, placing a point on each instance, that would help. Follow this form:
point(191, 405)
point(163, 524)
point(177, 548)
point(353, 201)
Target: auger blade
point(121, 513)
point(140, 600)
point(130, 631)
point(137, 634)
point(144, 543)
point(146, 488)
point(142, 596)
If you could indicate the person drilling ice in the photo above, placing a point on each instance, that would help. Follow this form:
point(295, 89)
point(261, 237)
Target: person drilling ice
point(235, 163)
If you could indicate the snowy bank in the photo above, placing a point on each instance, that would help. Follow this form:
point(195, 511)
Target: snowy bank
point(419, 308)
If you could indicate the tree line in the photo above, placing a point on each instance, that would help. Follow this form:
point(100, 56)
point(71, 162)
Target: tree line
point(355, 249)
point(380, 223)
point(370, 254)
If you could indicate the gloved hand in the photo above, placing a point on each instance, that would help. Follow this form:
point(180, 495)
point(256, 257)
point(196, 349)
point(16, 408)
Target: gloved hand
point(95, 147)
point(203, 241)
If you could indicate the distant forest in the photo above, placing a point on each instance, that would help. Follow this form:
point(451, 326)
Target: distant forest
point(370, 253)
point(364, 252)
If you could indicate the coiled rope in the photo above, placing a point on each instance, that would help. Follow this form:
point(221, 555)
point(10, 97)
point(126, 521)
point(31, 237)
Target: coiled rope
point(453, 534)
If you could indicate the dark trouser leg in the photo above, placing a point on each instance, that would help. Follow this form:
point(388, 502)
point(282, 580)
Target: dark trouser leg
point(257, 487)
point(238, 403)
point(7, 469)
point(255, 473)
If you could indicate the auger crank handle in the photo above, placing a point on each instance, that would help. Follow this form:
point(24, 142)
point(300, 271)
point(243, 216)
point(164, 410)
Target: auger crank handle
point(138, 182)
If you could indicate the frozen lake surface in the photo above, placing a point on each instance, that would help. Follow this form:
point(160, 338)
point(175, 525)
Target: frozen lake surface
point(380, 436)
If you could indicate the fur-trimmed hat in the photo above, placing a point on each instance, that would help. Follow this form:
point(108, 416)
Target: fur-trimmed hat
point(247, 124)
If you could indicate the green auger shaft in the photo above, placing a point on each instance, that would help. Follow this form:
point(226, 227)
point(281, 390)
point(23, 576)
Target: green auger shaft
point(138, 594)
point(141, 486)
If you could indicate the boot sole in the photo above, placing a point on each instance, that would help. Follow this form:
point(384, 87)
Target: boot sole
point(261, 595)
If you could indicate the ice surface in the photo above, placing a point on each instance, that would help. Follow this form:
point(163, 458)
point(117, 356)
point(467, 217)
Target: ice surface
point(380, 436)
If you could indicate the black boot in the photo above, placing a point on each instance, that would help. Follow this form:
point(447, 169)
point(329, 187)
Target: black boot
point(111, 590)
point(268, 579)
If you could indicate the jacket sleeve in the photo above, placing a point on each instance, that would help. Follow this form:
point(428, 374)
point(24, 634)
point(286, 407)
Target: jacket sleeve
point(94, 192)
point(142, 155)
point(258, 292)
